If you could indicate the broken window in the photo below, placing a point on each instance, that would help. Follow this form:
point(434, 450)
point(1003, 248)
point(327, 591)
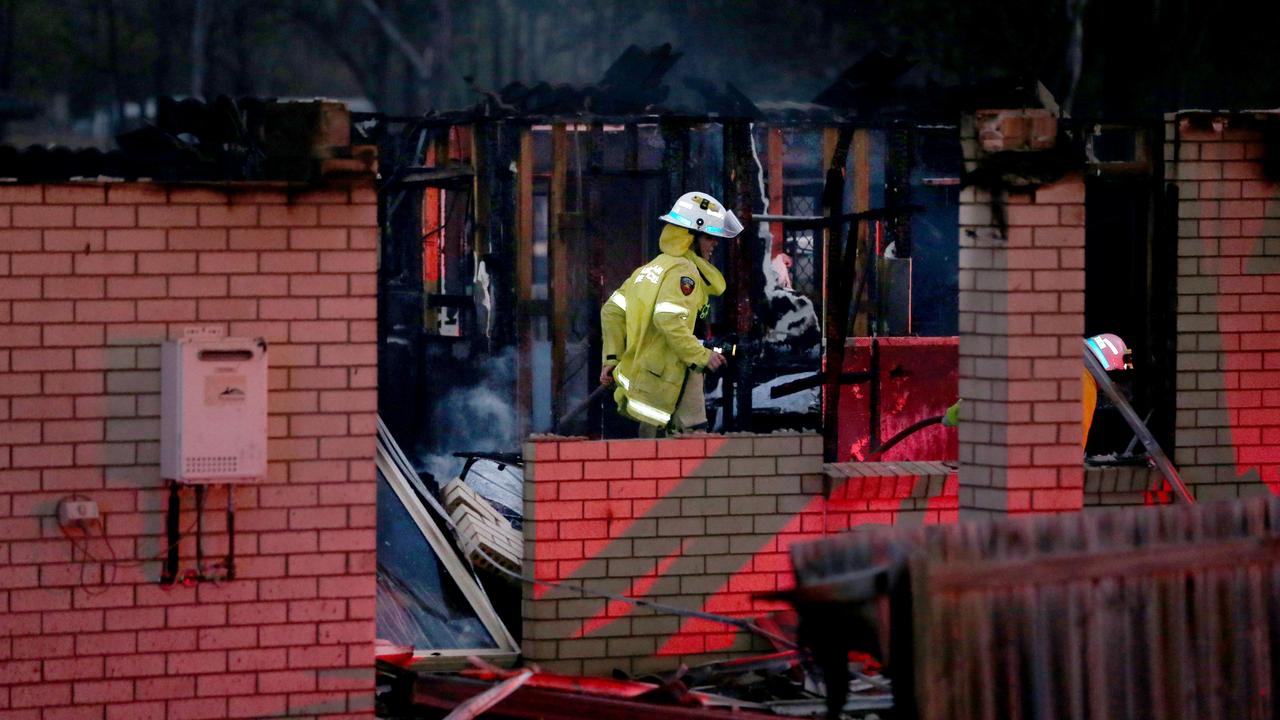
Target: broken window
point(426, 598)
point(418, 603)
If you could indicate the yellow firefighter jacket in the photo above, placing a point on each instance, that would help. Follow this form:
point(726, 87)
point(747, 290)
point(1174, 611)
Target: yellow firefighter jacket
point(647, 326)
point(1088, 402)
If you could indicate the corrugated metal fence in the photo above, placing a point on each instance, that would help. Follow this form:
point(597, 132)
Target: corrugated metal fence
point(1168, 612)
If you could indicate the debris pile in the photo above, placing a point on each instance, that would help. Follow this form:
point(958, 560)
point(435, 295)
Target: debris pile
point(432, 609)
point(449, 619)
point(769, 686)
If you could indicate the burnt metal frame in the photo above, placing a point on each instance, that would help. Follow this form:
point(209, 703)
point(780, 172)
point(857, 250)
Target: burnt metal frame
point(841, 260)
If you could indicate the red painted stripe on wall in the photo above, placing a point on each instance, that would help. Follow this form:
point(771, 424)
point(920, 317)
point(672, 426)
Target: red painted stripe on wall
point(639, 587)
point(637, 484)
point(736, 597)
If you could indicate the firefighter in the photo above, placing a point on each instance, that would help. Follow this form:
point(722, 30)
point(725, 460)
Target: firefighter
point(1112, 354)
point(650, 350)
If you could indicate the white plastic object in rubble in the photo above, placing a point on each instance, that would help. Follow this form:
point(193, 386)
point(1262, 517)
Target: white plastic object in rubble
point(213, 409)
point(485, 535)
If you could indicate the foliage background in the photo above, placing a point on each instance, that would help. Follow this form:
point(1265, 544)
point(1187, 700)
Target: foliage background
point(81, 60)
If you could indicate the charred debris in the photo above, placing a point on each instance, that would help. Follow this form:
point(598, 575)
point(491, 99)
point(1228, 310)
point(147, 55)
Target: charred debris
point(223, 140)
point(505, 225)
point(448, 625)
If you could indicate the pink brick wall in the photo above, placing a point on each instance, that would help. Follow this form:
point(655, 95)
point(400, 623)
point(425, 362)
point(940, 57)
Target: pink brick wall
point(1106, 488)
point(703, 523)
point(1021, 322)
point(92, 278)
point(1228, 372)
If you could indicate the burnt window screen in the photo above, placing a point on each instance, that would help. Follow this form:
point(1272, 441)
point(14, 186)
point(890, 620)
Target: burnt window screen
point(802, 245)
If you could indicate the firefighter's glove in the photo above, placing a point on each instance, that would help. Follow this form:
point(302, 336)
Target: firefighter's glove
point(952, 417)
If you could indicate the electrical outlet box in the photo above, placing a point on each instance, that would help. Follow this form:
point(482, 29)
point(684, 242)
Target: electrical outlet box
point(77, 512)
point(213, 409)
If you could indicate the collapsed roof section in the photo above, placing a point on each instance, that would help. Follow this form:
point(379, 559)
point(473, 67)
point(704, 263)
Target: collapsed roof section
point(226, 140)
point(895, 88)
point(633, 84)
point(878, 89)
point(256, 139)
point(639, 84)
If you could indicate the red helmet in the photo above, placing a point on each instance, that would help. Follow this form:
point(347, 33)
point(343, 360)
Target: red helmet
point(1110, 351)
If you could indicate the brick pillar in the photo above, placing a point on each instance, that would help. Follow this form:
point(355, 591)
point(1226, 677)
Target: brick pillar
point(1228, 399)
point(1021, 322)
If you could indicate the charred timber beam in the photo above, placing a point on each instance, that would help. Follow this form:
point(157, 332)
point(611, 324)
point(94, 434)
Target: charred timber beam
point(481, 160)
point(740, 183)
point(803, 222)
point(775, 149)
point(835, 295)
point(457, 302)
point(449, 178)
point(898, 169)
point(856, 260)
point(585, 237)
point(813, 381)
point(524, 282)
point(675, 154)
point(558, 257)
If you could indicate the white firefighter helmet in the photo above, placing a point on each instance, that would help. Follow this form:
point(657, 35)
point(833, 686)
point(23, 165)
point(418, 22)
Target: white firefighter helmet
point(702, 213)
point(1110, 351)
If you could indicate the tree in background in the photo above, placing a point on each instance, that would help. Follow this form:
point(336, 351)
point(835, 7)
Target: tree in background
point(98, 59)
point(403, 56)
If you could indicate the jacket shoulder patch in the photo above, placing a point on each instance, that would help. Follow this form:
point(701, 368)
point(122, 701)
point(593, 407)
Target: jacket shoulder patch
point(687, 285)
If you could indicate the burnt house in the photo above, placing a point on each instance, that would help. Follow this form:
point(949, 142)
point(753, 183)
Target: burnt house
point(506, 225)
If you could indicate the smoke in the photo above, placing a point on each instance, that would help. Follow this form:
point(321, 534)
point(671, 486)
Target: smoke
point(475, 418)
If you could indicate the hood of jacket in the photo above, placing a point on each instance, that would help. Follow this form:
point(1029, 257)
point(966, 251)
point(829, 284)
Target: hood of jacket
point(678, 241)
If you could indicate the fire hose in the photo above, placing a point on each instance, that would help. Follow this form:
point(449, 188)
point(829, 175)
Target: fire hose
point(576, 410)
point(727, 348)
point(904, 434)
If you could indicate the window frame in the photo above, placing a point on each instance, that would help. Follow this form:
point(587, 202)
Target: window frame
point(507, 650)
